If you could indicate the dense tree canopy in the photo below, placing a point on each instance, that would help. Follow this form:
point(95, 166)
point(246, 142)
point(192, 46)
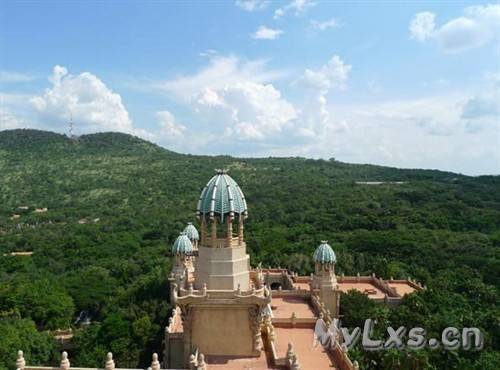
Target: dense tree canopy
point(115, 204)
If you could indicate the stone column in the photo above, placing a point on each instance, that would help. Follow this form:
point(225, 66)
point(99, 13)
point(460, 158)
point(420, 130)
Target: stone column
point(240, 229)
point(229, 230)
point(214, 230)
point(203, 230)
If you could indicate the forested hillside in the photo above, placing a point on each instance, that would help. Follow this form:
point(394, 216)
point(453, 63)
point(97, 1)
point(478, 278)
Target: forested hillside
point(115, 204)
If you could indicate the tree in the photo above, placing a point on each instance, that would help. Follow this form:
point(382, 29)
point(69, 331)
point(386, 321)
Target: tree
point(40, 298)
point(21, 334)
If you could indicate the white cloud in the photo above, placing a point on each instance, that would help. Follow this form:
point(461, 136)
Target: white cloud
point(482, 106)
point(334, 74)
point(251, 111)
point(10, 76)
point(221, 71)
point(417, 133)
point(422, 26)
point(478, 26)
point(236, 98)
point(315, 121)
point(252, 5)
point(92, 104)
point(170, 129)
point(265, 33)
point(208, 53)
point(435, 115)
point(297, 7)
point(10, 121)
point(324, 25)
point(481, 111)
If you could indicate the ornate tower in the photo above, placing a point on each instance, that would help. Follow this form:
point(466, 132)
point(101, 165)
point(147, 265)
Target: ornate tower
point(223, 299)
point(222, 261)
point(182, 250)
point(324, 276)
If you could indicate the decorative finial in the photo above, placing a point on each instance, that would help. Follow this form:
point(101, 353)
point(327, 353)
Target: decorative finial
point(20, 362)
point(65, 365)
point(192, 359)
point(295, 363)
point(221, 171)
point(201, 361)
point(290, 351)
point(155, 365)
point(110, 364)
point(324, 242)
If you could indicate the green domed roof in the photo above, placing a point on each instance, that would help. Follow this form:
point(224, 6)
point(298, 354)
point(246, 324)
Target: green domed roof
point(222, 196)
point(182, 244)
point(191, 232)
point(324, 253)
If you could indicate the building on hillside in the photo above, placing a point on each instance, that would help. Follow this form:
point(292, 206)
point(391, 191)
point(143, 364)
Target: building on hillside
point(229, 315)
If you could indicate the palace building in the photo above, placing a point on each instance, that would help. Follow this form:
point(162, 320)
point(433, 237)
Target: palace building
point(241, 317)
point(229, 315)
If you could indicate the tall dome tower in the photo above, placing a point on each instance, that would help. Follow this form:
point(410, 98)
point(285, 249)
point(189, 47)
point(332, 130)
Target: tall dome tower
point(222, 261)
point(221, 203)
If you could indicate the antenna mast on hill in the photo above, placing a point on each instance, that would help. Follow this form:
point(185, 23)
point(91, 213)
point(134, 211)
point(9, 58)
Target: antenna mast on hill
point(71, 127)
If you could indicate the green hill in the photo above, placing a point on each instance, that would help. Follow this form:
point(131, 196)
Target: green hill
point(115, 203)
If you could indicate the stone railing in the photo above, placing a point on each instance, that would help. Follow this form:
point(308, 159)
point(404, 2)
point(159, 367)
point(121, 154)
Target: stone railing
point(220, 294)
point(65, 364)
point(269, 337)
point(380, 283)
point(301, 279)
point(294, 322)
point(320, 309)
point(341, 358)
point(225, 242)
point(291, 293)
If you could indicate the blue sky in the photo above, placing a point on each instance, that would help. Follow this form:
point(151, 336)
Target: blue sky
point(410, 84)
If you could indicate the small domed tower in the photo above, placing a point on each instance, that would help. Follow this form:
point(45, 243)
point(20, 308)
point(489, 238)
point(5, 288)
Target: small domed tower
point(324, 276)
point(324, 262)
point(192, 234)
point(182, 249)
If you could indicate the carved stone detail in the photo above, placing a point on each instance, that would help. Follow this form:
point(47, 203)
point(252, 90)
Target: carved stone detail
point(255, 325)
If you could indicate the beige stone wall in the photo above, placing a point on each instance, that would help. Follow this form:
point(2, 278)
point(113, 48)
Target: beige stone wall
point(222, 268)
point(330, 297)
point(222, 331)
